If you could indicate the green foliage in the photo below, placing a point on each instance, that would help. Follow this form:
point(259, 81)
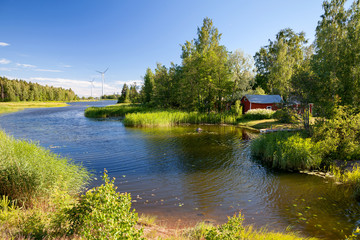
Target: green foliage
point(335, 62)
point(231, 230)
point(286, 115)
point(209, 78)
point(19, 90)
point(350, 177)
point(287, 151)
point(237, 108)
point(258, 114)
point(277, 62)
point(29, 172)
point(125, 95)
point(149, 84)
point(102, 213)
point(339, 137)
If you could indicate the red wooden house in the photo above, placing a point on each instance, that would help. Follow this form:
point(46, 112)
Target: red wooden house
point(260, 101)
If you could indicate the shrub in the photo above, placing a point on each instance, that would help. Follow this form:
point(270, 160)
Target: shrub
point(287, 151)
point(102, 213)
point(237, 108)
point(286, 115)
point(258, 114)
point(339, 137)
point(233, 229)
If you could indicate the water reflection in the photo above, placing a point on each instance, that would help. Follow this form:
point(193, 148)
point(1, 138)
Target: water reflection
point(178, 173)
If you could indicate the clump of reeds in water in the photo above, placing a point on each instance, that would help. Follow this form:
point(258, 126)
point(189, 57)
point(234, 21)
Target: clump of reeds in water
point(171, 118)
point(118, 110)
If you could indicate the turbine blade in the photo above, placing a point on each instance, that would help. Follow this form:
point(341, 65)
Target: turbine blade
point(106, 70)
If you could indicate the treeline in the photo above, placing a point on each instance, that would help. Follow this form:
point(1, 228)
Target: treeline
point(210, 78)
point(20, 90)
point(326, 72)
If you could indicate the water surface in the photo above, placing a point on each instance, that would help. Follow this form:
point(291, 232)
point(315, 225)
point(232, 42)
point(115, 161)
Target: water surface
point(183, 176)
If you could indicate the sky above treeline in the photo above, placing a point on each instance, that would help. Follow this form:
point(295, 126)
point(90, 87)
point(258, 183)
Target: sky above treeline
point(64, 42)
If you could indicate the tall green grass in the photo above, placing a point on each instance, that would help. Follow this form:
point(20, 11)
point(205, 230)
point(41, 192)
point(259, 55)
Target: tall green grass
point(287, 151)
point(118, 110)
point(350, 177)
point(29, 172)
point(171, 118)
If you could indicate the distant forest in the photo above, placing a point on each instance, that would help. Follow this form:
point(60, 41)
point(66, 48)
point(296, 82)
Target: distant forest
point(20, 90)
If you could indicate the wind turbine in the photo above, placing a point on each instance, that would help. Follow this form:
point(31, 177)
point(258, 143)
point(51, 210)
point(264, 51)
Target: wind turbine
point(102, 78)
point(92, 85)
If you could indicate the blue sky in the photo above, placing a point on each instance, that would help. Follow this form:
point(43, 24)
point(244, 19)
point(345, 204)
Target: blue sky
point(63, 42)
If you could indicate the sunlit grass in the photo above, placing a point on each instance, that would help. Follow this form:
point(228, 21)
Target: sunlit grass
point(350, 177)
point(234, 229)
point(172, 118)
point(117, 110)
point(29, 172)
point(8, 107)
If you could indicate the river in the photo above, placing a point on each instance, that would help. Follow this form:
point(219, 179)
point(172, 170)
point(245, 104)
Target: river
point(183, 177)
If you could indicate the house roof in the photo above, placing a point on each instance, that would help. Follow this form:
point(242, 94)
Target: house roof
point(264, 98)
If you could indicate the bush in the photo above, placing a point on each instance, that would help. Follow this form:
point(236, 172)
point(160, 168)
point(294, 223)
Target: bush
point(233, 229)
point(287, 151)
point(258, 114)
point(286, 115)
point(237, 108)
point(339, 137)
point(102, 213)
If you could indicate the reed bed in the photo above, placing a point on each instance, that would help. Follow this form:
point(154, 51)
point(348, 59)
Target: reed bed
point(172, 118)
point(118, 110)
point(29, 172)
point(287, 151)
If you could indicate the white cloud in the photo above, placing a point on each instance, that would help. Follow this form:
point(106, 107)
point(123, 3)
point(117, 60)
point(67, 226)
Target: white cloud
point(25, 65)
point(47, 70)
point(6, 69)
point(4, 44)
point(80, 87)
point(4, 61)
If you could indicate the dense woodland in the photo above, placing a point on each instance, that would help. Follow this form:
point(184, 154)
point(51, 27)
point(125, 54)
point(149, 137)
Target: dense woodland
point(210, 78)
point(19, 90)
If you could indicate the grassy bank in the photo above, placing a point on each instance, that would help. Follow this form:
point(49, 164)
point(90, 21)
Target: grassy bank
point(8, 107)
point(233, 229)
point(35, 185)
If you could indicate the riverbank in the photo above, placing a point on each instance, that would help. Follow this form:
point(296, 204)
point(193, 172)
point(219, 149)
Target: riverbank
point(9, 107)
